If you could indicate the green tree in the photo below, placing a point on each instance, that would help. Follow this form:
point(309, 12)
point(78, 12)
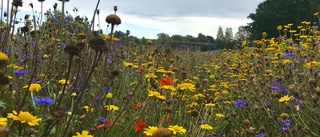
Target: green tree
point(272, 13)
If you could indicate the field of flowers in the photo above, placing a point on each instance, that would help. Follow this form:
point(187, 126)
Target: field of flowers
point(66, 81)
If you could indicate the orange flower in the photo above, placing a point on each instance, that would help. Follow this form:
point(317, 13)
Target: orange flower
point(166, 81)
point(137, 105)
point(167, 119)
point(103, 124)
point(139, 125)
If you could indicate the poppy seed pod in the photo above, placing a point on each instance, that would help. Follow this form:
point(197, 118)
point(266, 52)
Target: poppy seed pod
point(113, 19)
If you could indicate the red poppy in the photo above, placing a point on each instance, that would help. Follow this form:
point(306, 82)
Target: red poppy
point(141, 69)
point(137, 105)
point(166, 81)
point(168, 118)
point(139, 125)
point(103, 124)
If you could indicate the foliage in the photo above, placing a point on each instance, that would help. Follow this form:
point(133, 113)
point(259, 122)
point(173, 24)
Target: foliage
point(56, 81)
point(272, 13)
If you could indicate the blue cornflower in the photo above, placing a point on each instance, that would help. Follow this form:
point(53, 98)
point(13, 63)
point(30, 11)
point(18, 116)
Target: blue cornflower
point(68, 19)
point(102, 119)
point(259, 135)
point(276, 87)
point(43, 100)
point(286, 123)
point(109, 60)
point(267, 103)
point(19, 72)
point(284, 130)
point(117, 41)
point(34, 43)
point(240, 103)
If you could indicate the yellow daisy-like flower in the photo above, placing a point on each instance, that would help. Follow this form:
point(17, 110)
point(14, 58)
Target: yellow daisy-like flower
point(33, 87)
point(177, 129)
point(170, 87)
point(312, 64)
point(24, 117)
point(210, 105)
point(315, 14)
point(153, 93)
point(87, 108)
point(184, 86)
point(206, 127)
point(112, 107)
point(63, 81)
point(3, 56)
point(109, 95)
point(286, 61)
point(150, 75)
point(84, 133)
point(219, 115)
point(284, 98)
point(150, 130)
point(3, 121)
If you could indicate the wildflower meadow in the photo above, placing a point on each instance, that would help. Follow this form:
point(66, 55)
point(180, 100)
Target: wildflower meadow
point(61, 78)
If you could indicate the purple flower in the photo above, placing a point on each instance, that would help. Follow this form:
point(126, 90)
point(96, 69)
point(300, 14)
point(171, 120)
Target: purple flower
point(117, 41)
point(286, 123)
point(34, 43)
point(43, 100)
point(19, 72)
point(259, 135)
point(284, 130)
point(68, 19)
point(276, 87)
point(102, 119)
point(240, 103)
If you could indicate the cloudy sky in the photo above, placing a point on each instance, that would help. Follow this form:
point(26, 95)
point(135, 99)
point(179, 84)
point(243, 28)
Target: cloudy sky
point(149, 17)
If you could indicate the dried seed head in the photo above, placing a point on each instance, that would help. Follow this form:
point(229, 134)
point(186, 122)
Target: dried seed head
point(115, 73)
point(162, 132)
point(4, 80)
point(284, 116)
point(98, 44)
point(113, 19)
point(4, 131)
point(58, 115)
point(194, 113)
point(72, 50)
point(246, 122)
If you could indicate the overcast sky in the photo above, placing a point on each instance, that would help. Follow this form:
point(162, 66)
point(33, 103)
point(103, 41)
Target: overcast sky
point(149, 17)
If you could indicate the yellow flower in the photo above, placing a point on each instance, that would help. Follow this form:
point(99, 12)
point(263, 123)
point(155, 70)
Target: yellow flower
point(312, 64)
point(150, 130)
point(153, 93)
point(84, 133)
point(33, 87)
point(150, 75)
point(170, 87)
point(206, 127)
point(149, 42)
point(315, 14)
point(286, 61)
point(210, 105)
point(87, 108)
point(109, 95)
point(127, 64)
point(284, 98)
point(3, 57)
point(3, 121)
point(63, 81)
point(24, 117)
point(184, 86)
point(264, 34)
point(279, 27)
point(219, 115)
point(177, 129)
point(112, 107)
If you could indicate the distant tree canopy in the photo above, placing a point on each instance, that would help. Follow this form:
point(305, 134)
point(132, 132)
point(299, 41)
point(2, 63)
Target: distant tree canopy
point(272, 13)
